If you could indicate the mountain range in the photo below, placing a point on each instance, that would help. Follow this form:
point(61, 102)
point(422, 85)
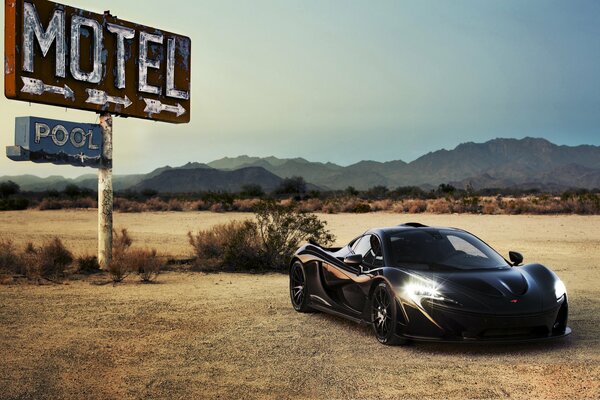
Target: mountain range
point(500, 163)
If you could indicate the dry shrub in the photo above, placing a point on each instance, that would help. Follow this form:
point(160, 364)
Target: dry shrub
point(287, 203)
point(217, 208)
point(51, 204)
point(156, 204)
point(245, 205)
point(120, 266)
point(11, 261)
point(199, 205)
point(414, 206)
point(60, 204)
point(146, 263)
point(331, 207)
point(310, 205)
point(127, 206)
point(351, 205)
point(175, 205)
point(49, 261)
point(234, 246)
point(439, 206)
point(382, 205)
point(282, 229)
point(88, 265)
point(490, 207)
point(83, 202)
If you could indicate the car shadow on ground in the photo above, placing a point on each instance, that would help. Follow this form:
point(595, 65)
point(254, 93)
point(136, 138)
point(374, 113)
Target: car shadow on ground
point(579, 338)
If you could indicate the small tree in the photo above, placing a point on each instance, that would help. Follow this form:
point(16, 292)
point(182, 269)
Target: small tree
point(295, 186)
point(282, 229)
point(8, 189)
point(72, 190)
point(252, 190)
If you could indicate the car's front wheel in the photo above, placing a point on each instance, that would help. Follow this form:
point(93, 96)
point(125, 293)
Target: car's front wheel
point(298, 289)
point(383, 315)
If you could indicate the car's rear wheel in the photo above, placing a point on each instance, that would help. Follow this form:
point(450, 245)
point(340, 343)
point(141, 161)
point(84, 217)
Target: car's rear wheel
point(298, 289)
point(383, 315)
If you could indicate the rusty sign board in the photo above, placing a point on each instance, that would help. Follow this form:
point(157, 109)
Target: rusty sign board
point(43, 140)
point(63, 56)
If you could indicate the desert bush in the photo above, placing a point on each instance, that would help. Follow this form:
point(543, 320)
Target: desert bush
point(245, 205)
point(175, 205)
point(331, 206)
point(88, 265)
point(267, 243)
point(146, 263)
point(11, 260)
point(49, 261)
point(382, 205)
point(281, 229)
point(127, 206)
point(234, 246)
point(414, 206)
point(199, 205)
point(310, 205)
point(217, 208)
point(50, 204)
point(155, 204)
point(361, 208)
point(121, 264)
point(439, 206)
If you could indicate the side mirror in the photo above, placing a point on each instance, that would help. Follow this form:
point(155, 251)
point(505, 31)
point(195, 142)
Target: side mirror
point(353, 260)
point(515, 257)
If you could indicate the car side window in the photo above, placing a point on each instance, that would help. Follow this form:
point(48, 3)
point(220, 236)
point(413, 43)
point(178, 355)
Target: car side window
point(362, 245)
point(370, 248)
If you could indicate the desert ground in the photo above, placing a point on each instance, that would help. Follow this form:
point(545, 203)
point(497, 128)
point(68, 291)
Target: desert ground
point(235, 336)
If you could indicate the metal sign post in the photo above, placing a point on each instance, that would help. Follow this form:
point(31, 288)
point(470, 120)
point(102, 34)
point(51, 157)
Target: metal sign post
point(63, 56)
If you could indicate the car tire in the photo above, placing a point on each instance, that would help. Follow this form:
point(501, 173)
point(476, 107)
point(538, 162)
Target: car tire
point(298, 288)
point(383, 315)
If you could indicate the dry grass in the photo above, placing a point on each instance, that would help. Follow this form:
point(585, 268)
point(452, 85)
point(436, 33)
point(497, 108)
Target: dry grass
point(234, 336)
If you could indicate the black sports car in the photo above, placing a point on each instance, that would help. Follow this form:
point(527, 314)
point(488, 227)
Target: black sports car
point(424, 283)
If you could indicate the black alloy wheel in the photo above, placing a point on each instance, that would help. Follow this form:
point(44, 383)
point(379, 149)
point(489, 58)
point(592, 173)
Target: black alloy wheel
point(298, 292)
point(383, 315)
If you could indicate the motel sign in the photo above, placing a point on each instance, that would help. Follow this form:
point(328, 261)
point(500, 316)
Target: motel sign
point(63, 56)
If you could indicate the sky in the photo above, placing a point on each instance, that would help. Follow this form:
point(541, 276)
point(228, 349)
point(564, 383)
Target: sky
point(345, 81)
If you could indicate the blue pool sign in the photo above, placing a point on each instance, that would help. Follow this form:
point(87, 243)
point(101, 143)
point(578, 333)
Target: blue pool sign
point(43, 140)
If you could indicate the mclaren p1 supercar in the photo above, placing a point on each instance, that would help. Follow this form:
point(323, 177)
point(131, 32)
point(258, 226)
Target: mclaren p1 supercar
point(415, 282)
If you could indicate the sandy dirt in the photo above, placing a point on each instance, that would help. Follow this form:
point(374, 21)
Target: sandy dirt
point(235, 336)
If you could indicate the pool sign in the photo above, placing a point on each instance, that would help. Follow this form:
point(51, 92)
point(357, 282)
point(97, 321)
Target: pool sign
point(45, 140)
point(63, 56)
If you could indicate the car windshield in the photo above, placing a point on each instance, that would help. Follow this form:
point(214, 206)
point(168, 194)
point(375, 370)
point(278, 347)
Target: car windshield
point(441, 249)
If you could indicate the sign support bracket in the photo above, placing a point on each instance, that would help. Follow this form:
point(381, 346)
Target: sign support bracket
point(105, 194)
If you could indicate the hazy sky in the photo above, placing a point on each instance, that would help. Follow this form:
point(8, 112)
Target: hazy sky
point(346, 80)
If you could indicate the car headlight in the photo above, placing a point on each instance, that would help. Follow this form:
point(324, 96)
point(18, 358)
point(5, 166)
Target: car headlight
point(559, 289)
point(417, 291)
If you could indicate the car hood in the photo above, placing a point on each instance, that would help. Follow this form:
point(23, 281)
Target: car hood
point(498, 291)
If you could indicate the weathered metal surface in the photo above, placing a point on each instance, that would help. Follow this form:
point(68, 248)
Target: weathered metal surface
point(63, 56)
point(44, 140)
point(105, 196)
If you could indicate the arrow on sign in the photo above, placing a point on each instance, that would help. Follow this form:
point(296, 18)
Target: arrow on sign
point(37, 87)
point(156, 107)
point(100, 97)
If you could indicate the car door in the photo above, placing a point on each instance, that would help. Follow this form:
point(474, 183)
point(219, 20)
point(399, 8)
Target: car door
point(348, 284)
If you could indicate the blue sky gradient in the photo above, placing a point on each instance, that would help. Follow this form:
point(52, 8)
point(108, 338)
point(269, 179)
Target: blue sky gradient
point(343, 81)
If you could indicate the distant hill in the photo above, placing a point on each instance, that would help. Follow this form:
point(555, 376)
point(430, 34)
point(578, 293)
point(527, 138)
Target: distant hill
point(184, 180)
point(500, 163)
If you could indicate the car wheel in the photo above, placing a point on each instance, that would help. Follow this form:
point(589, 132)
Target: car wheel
point(383, 315)
point(298, 290)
